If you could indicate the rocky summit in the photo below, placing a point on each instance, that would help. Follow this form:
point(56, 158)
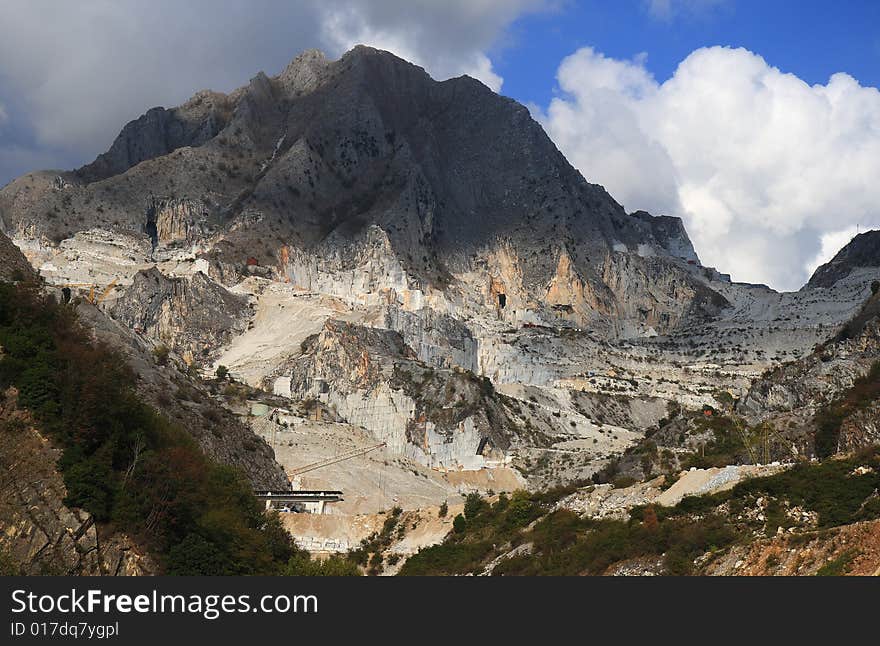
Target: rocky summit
point(353, 259)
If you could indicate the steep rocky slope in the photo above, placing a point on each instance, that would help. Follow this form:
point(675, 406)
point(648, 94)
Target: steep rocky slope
point(192, 315)
point(861, 251)
point(41, 535)
point(439, 417)
point(829, 396)
point(808, 383)
point(115, 460)
point(219, 434)
point(420, 258)
point(13, 264)
point(41, 532)
point(311, 160)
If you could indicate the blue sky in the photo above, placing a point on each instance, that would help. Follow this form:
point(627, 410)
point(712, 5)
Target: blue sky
point(809, 38)
point(770, 153)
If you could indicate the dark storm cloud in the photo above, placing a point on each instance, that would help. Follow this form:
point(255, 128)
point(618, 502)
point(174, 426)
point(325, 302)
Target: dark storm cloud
point(72, 73)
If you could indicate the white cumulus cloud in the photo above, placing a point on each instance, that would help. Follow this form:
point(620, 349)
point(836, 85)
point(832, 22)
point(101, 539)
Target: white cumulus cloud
point(426, 32)
point(760, 164)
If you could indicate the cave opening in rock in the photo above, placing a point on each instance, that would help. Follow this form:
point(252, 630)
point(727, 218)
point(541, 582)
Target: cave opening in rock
point(502, 300)
point(151, 229)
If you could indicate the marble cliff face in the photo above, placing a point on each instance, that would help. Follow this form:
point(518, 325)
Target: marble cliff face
point(420, 258)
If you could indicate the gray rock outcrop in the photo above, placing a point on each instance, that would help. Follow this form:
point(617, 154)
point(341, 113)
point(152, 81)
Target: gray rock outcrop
point(449, 171)
point(13, 264)
point(159, 132)
point(370, 377)
point(861, 251)
point(191, 315)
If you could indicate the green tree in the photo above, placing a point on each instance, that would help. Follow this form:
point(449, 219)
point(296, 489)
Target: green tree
point(90, 485)
point(123, 462)
point(521, 510)
point(196, 556)
point(474, 505)
point(459, 524)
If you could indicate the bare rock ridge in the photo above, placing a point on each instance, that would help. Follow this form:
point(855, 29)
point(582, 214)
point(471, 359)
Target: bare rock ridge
point(375, 380)
point(159, 132)
point(417, 258)
point(13, 264)
point(862, 251)
point(318, 154)
point(671, 234)
point(792, 394)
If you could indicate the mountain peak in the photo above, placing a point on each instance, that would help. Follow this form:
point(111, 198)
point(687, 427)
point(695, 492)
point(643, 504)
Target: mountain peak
point(365, 51)
point(862, 251)
point(326, 152)
point(304, 72)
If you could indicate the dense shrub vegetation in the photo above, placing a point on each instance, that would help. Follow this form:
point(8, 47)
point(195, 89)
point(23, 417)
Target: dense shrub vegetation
point(562, 543)
point(833, 489)
point(725, 447)
point(567, 544)
point(479, 531)
point(839, 491)
point(125, 464)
